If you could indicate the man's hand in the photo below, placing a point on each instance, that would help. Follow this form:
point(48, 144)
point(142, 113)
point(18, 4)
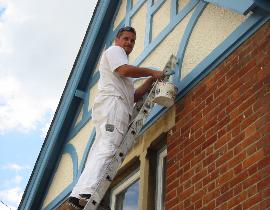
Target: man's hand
point(158, 75)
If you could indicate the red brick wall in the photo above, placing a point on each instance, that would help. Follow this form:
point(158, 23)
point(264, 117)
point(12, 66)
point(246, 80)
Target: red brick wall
point(219, 150)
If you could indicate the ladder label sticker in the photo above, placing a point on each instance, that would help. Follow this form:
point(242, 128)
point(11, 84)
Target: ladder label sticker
point(109, 127)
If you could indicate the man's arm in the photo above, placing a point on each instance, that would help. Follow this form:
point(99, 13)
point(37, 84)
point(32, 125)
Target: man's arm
point(136, 72)
point(142, 89)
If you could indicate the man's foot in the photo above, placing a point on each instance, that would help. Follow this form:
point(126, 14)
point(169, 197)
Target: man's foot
point(84, 199)
point(74, 203)
point(85, 196)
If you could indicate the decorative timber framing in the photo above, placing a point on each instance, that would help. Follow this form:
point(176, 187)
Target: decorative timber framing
point(84, 76)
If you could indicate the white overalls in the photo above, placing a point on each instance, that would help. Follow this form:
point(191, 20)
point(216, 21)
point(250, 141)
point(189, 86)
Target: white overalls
point(110, 114)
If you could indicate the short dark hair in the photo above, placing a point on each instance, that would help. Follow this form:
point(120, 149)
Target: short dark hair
point(126, 28)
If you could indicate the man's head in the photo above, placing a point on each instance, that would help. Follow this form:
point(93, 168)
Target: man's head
point(125, 38)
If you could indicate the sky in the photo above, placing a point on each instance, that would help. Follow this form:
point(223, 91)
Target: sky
point(39, 41)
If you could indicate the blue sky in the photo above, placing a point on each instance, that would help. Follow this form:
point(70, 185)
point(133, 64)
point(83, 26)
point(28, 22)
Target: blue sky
point(37, 52)
point(2, 10)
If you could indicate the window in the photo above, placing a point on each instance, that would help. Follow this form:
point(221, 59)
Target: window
point(125, 196)
point(161, 179)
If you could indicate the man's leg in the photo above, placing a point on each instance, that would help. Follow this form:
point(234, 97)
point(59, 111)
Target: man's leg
point(104, 148)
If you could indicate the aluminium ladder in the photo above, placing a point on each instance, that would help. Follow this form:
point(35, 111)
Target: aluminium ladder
point(140, 113)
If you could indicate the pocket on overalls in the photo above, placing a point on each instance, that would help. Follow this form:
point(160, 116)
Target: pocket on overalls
point(122, 116)
point(118, 116)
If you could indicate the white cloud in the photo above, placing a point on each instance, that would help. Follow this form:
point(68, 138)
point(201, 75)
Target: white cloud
point(12, 195)
point(12, 182)
point(44, 130)
point(18, 109)
point(15, 167)
point(39, 41)
point(17, 179)
point(6, 207)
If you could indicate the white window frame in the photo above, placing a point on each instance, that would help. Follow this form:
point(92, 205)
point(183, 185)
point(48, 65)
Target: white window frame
point(159, 186)
point(123, 185)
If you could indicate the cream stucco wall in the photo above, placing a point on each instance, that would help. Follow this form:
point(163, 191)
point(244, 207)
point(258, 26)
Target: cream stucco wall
point(182, 4)
point(121, 14)
point(98, 62)
point(160, 55)
point(161, 19)
point(213, 26)
point(62, 178)
point(64, 173)
point(138, 21)
point(93, 92)
point(79, 118)
point(81, 139)
point(134, 2)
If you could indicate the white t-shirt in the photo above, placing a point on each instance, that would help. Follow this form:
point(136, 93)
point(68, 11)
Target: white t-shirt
point(110, 82)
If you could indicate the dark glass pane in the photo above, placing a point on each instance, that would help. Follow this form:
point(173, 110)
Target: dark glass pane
point(128, 198)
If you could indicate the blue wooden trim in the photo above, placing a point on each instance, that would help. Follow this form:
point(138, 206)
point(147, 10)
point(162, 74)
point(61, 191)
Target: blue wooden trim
point(136, 7)
point(86, 112)
point(127, 17)
point(87, 149)
point(60, 198)
point(263, 5)
point(94, 79)
point(77, 115)
point(29, 198)
point(109, 38)
point(240, 6)
point(75, 130)
point(80, 94)
point(87, 115)
point(149, 22)
point(86, 104)
point(173, 9)
point(242, 33)
point(70, 149)
point(177, 6)
point(113, 34)
point(165, 32)
point(33, 191)
point(188, 30)
point(156, 6)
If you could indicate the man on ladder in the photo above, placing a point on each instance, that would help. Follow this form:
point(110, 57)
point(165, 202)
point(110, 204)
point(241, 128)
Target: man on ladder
point(112, 110)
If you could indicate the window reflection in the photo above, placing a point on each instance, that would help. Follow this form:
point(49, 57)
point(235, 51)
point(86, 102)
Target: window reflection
point(125, 196)
point(128, 198)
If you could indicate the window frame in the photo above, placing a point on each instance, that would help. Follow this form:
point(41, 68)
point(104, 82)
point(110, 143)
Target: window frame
point(128, 181)
point(159, 181)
